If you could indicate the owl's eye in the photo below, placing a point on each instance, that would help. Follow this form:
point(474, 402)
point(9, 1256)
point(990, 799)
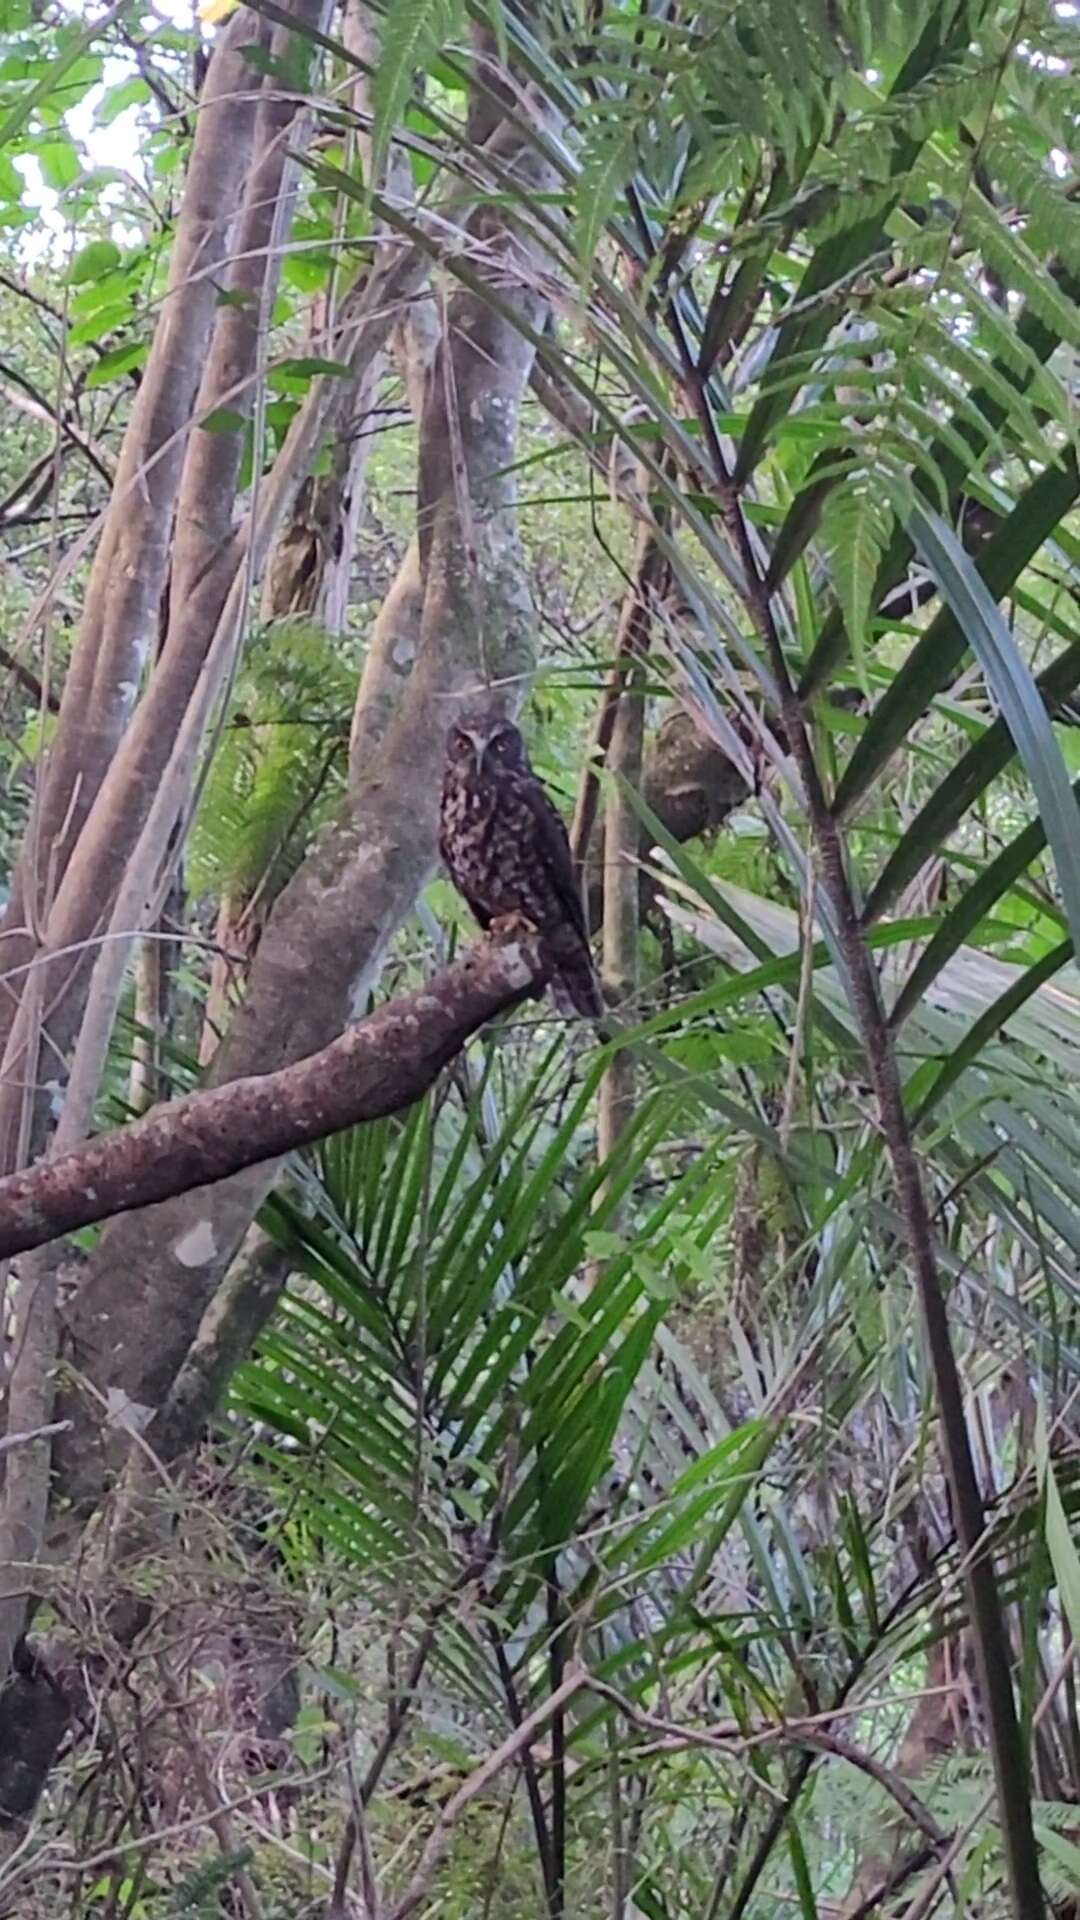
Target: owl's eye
point(505, 746)
point(459, 743)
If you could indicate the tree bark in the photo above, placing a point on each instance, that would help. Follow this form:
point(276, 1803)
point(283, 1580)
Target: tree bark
point(127, 830)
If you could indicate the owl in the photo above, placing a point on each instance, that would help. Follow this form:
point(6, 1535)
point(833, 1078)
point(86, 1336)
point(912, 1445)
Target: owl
point(507, 852)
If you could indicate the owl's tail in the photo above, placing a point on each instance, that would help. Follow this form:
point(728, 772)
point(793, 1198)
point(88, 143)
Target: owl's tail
point(575, 988)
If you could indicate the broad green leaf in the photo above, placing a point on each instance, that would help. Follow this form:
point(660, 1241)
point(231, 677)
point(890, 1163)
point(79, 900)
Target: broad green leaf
point(117, 100)
point(103, 320)
point(1015, 691)
point(60, 164)
point(120, 360)
point(12, 184)
point(224, 420)
point(93, 261)
point(105, 291)
point(296, 373)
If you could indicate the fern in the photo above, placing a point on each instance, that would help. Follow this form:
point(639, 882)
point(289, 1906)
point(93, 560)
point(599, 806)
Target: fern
point(1052, 218)
point(1003, 339)
point(855, 530)
point(1009, 255)
point(607, 166)
point(198, 1895)
point(1061, 1857)
point(975, 372)
point(413, 31)
point(958, 89)
point(274, 776)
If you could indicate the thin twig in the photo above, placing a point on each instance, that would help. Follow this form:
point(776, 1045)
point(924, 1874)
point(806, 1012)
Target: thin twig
point(46, 1862)
point(439, 1839)
point(8, 1442)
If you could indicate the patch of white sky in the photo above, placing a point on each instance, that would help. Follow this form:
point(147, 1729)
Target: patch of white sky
point(118, 148)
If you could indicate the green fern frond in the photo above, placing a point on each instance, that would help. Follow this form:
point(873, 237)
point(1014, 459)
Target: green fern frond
point(958, 89)
point(1008, 254)
point(412, 31)
point(975, 372)
point(855, 529)
point(1005, 341)
point(278, 765)
point(1051, 218)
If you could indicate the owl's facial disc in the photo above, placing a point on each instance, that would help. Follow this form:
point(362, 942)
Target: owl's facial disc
point(488, 740)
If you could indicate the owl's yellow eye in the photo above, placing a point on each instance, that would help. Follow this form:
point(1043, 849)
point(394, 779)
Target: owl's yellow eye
point(459, 744)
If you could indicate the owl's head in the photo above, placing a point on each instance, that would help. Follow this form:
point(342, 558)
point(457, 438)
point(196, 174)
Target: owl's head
point(484, 740)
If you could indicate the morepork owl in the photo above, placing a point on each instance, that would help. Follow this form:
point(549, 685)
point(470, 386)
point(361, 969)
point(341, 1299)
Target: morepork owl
point(507, 852)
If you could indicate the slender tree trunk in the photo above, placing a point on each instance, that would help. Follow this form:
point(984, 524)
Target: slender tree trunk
point(620, 970)
point(130, 818)
point(155, 999)
point(151, 1276)
point(120, 611)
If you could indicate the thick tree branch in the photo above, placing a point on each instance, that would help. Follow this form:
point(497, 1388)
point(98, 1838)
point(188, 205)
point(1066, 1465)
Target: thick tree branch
point(375, 1068)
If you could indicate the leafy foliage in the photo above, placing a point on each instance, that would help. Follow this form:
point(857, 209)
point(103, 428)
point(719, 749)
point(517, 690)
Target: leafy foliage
point(278, 771)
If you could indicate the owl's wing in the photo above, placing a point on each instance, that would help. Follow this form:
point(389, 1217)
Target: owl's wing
point(553, 844)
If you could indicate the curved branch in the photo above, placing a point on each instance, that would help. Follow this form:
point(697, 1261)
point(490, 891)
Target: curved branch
point(376, 1067)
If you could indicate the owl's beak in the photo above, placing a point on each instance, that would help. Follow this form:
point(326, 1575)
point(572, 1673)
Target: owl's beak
point(479, 746)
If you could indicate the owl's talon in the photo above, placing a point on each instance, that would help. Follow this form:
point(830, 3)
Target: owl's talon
point(507, 925)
